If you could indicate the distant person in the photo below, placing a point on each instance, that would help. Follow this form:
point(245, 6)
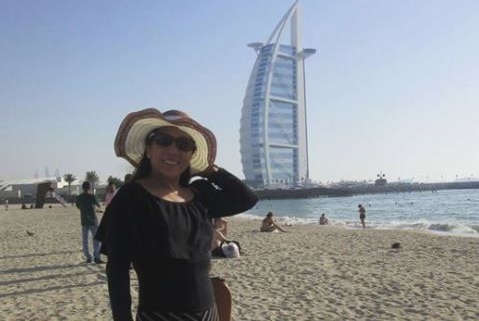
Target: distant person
point(221, 225)
point(86, 202)
point(323, 220)
point(110, 192)
point(6, 205)
point(221, 246)
point(218, 239)
point(362, 215)
point(269, 224)
point(108, 199)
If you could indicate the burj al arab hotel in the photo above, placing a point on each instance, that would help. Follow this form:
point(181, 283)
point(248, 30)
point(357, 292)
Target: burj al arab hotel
point(273, 131)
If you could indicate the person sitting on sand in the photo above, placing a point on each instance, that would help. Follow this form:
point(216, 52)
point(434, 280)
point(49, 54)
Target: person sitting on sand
point(270, 225)
point(323, 220)
point(218, 239)
point(221, 225)
point(218, 248)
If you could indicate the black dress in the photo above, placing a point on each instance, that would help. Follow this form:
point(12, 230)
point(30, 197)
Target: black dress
point(169, 246)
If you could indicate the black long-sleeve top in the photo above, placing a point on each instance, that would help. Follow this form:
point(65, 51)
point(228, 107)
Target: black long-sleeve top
point(168, 243)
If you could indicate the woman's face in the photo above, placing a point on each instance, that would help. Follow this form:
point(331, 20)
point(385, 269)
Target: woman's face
point(165, 157)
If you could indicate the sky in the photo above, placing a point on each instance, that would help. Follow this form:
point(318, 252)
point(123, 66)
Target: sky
point(393, 87)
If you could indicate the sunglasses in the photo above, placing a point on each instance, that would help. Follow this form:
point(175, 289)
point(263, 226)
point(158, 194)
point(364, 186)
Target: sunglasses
point(184, 144)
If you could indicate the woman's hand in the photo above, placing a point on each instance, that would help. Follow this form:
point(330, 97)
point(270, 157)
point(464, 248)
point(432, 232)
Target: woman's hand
point(209, 171)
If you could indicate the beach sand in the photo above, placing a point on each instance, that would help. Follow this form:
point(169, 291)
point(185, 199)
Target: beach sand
point(312, 273)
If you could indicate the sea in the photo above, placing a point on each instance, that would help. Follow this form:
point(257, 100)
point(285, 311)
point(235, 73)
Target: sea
point(447, 212)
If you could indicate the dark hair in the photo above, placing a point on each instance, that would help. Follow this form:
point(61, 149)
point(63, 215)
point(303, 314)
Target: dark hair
point(85, 186)
point(185, 177)
point(269, 214)
point(143, 169)
point(127, 178)
point(144, 166)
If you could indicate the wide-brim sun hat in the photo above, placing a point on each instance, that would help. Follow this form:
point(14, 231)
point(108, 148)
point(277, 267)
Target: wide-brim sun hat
point(131, 136)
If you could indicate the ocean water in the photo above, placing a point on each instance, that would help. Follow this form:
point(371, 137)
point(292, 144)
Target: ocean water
point(445, 211)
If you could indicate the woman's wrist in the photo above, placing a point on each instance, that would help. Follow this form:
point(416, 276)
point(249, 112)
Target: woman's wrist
point(211, 170)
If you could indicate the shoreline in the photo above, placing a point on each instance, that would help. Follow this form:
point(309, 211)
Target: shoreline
point(341, 224)
point(292, 221)
point(311, 273)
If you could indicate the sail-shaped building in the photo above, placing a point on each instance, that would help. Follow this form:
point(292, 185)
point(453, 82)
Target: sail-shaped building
point(273, 133)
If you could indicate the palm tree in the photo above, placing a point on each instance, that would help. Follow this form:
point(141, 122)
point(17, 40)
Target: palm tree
point(69, 178)
point(93, 178)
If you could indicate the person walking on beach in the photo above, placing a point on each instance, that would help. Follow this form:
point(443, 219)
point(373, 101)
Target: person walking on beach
point(110, 192)
point(269, 224)
point(161, 221)
point(6, 205)
point(86, 202)
point(362, 215)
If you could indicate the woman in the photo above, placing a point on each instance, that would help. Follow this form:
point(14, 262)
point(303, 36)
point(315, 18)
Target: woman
point(269, 224)
point(161, 223)
point(110, 192)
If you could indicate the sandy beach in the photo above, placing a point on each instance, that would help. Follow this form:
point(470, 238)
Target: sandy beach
point(311, 273)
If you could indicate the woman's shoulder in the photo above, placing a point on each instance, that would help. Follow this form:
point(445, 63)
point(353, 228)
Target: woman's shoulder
point(129, 190)
point(130, 186)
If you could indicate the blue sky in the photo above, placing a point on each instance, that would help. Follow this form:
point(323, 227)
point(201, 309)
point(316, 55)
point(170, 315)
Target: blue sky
point(393, 87)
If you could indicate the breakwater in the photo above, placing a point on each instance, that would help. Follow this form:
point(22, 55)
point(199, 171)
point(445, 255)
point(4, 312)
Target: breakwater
point(315, 192)
point(416, 187)
point(301, 193)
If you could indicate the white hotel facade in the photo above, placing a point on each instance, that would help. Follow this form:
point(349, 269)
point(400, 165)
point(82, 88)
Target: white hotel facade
point(273, 132)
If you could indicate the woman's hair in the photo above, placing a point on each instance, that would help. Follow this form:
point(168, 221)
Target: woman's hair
point(144, 166)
